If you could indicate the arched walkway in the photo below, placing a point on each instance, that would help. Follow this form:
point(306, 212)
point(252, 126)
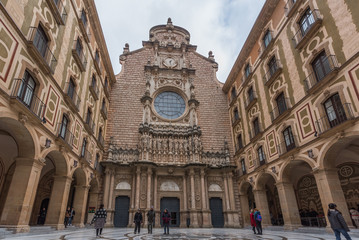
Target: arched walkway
point(247, 201)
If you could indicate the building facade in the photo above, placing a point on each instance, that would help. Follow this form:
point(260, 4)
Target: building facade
point(55, 78)
point(168, 135)
point(294, 111)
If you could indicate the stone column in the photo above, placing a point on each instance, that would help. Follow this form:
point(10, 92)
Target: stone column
point(58, 202)
point(194, 217)
point(289, 206)
point(228, 207)
point(234, 212)
point(138, 186)
point(149, 183)
point(228, 212)
point(330, 191)
point(21, 196)
point(206, 221)
point(132, 200)
point(106, 187)
point(245, 210)
point(156, 208)
point(110, 211)
point(80, 202)
point(260, 197)
point(184, 213)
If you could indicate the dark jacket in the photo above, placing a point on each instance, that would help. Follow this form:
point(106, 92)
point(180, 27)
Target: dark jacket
point(166, 217)
point(100, 213)
point(151, 216)
point(138, 217)
point(337, 221)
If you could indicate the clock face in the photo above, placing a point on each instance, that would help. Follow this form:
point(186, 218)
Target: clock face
point(170, 62)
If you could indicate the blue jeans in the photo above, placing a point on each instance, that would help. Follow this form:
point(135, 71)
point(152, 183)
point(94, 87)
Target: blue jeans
point(166, 226)
point(342, 231)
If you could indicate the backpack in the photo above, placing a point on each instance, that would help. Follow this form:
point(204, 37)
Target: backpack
point(259, 218)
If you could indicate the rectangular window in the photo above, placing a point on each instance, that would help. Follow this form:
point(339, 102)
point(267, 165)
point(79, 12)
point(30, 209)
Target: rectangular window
point(247, 71)
point(243, 165)
point(63, 128)
point(40, 41)
point(321, 66)
point(272, 66)
point(267, 38)
point(335, 110)
point(261, 155)
point(256, 126)
point(88, 117)
point(234, 93)
point(79, 47)
point(97, 56)
point(288, 138)
point(281, 104)
point(306, 21)
point(239, 142)
point(84, 18)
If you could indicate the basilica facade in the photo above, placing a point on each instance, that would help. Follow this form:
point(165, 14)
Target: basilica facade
point(169, 131)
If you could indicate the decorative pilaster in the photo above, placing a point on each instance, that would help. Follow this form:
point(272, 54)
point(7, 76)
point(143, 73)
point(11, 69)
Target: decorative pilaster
point(194, 217)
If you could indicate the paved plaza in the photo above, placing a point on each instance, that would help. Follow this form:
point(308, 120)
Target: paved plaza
point(175, 233)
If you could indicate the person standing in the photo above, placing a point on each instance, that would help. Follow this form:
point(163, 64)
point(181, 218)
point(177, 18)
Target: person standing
point(67, 216)
point(99, 219)
point(337, 222)
point(258, 218)
point(42, 217)
point(72, 214)
point(166, 217)
point(138, 220)
point(253, 221)
point(150, 219)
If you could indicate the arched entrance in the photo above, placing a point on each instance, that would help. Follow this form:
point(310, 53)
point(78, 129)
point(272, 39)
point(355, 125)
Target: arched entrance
point(267, 200)
point(301, 199)
point(247, 200)
point(92, 200)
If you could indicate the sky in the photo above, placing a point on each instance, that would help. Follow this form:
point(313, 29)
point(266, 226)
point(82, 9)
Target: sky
point(220, 26)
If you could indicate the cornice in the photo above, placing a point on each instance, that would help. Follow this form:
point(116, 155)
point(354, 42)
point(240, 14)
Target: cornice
point(261, 21)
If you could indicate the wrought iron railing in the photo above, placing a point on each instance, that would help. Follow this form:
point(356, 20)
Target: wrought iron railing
point(287, 145)
point(72, 95)
point(272, 72)
point(328, 65)
point(301, 33)
point(40, 44)
point(25, 94)
point(250, 98)
point(339, 115)
point(64, 133)
point(280, 109)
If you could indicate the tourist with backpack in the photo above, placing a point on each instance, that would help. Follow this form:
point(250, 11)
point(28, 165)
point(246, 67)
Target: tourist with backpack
point(253, 221)
point(258, 219)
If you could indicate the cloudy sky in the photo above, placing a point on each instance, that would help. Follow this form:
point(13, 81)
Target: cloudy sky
point(220, 26)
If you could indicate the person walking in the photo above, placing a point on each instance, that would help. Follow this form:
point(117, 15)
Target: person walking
point(150, 220)
point(253, 221)
point(337, 222)
point(166, 217)
point(99, 219)
point(67, 217)
point(72, 214)
point(258, 218)
point(138, 221)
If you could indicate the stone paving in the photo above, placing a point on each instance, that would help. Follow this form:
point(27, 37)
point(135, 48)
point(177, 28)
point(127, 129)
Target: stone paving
point(175, 233)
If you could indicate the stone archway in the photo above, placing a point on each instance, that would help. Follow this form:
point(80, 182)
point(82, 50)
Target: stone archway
point(301, 201)
point(267, 200)
point(92, 200)
point(247, 201)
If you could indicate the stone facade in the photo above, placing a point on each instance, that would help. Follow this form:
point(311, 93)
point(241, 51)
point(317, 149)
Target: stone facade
point(293, 103)
point(55, 76)
point(166, 157)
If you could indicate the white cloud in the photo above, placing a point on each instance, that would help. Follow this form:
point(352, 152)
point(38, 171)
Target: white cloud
point(221, 26)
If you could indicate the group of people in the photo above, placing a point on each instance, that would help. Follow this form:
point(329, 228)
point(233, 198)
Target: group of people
point(69, 216)
point(335, 218)
point(166, 218)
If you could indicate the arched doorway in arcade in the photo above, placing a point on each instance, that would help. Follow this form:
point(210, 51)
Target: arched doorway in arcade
point(247, 201)
point(304, 206)
point(342, 158)
point(267, 200)
point(92, 201)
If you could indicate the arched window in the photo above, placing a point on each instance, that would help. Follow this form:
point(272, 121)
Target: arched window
point(26, 89)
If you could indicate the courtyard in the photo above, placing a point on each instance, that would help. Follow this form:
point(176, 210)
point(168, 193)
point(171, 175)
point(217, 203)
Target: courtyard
point(40, 233)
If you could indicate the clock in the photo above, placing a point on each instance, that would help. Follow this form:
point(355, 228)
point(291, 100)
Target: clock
point(169, 62)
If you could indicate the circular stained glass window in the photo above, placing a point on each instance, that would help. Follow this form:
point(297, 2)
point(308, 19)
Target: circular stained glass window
point(169, 105)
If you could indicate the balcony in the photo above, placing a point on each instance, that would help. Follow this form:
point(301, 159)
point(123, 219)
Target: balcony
point(58, 11)
point(72, 99)
point(101, 141)
point(94, 91)
point(83, 24)
point(274, 71)
point(39, 49)
point(64, 135)
point(303, 36)
point(79, 56)
point(104, 112)
point(322, 74)
point(255, 133)
point(280, 111)
point(250, 100)
point(287, 145)
point(24, 94)
point(86, 156)
point(264, 48)
point(291, 7)
point(338, 117)
point(90, 125)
